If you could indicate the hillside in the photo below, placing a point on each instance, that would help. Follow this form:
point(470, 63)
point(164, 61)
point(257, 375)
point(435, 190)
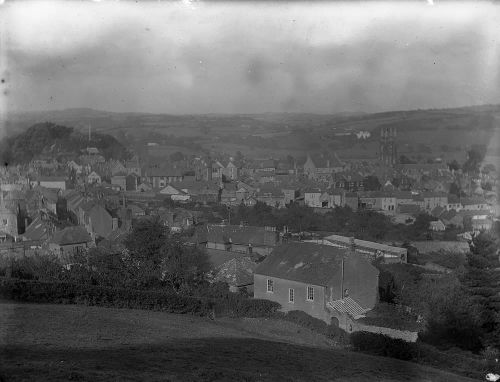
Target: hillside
point(428, 133)
point(64, 342)
point(49, 138)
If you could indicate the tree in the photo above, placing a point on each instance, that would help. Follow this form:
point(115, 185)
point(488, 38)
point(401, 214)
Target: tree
point(239, 156)
point(183, 267)
point(474, 158)
point(482, 281)
point(177, 156)
point(454, 165)
point(455, 189)
point(144, 244)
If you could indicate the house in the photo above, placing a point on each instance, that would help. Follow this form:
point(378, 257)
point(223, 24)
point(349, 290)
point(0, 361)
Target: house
point(119, 179)
point(217, 170)
point(54, 182)
point(8, 221)
point(378, 200)
point(312, 197)
point(174, 194)
point(320, 280)
point(41, 228)
point(434, 199)
point(481, 223)
point(321, 167)
point(350, 181)
point(230, 171)
point(116, 167)
point(77, 168)
point(241, 238)
point(96, 219)
point(272, 196)
point(47, 198)
point(470, 204)
point(133, 167)
point(94, 178)
point(437, 226)
point(136, 211)
point(161, 175)
point(69, 241)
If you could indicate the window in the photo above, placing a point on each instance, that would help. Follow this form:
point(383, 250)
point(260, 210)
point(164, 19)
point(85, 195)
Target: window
point(291, 295)
point(310, 293)
point(4, 221)
point(270, 286)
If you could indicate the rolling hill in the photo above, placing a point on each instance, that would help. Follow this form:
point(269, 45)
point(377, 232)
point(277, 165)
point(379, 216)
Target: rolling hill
point(66, 342)
point(428, 133)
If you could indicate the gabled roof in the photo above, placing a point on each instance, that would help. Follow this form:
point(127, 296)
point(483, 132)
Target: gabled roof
point(71, 235)
point(304, 262)
point(39, 229)
point(237, 271)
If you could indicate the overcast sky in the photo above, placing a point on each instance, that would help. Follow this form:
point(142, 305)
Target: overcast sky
point(183, 57)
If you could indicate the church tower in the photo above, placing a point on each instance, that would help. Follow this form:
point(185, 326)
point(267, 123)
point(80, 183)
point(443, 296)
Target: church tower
point(388, 152)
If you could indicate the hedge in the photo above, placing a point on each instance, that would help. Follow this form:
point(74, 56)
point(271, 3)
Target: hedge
point(381, 345)
point(234, 305)
point(67, 293)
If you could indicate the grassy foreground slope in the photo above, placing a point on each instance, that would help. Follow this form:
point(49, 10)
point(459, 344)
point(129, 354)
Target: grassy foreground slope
point(61, 343)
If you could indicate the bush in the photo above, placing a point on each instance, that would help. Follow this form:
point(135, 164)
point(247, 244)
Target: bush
point(381, 345)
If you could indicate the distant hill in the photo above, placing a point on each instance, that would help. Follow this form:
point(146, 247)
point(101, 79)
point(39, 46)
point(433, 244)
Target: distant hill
point(50, 138)
point(428, 134)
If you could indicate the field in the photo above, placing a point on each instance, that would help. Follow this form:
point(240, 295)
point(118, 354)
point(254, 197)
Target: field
point(61, 343)
point(421, 134)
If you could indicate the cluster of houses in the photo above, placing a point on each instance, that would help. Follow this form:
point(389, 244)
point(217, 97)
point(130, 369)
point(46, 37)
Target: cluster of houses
point(64, 208)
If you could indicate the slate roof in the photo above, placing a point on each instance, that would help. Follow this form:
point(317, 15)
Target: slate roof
point(39, 229)
point(71, 235)
point(303, 262)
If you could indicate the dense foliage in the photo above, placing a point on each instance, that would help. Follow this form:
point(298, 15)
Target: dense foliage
point(51, 138)
point(363, 224)
point(459, 309)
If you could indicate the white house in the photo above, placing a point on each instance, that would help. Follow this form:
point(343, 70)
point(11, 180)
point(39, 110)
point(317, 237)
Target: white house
point(94, 178)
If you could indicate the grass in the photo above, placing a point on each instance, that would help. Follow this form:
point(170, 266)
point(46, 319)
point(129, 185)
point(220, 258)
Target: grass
point(66, 342)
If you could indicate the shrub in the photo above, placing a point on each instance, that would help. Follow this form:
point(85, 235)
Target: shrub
point(381, 345)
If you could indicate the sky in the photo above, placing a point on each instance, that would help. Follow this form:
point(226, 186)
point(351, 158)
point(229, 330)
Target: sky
point(196, 57)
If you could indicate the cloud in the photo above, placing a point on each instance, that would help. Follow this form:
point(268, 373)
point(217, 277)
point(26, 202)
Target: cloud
point(220, 57)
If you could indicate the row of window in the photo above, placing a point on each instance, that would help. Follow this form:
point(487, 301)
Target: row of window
point(291, 291)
